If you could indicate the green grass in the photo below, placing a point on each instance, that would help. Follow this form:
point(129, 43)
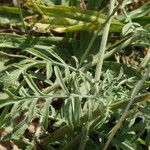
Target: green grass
point(74, 76)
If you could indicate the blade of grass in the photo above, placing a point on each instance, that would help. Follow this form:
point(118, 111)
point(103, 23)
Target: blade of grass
point(9, 40)
point(104, 42)
point(11, 16)
point(95, 35)
point(21, 16)
point(37, 8)
point(77, 14)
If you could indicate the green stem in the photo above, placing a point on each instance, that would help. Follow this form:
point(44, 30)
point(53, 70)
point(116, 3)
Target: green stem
point(120, 45)
point(89, 46)
point(95, 35)
point(21, 16)
point(84, 137)
point(104, 42)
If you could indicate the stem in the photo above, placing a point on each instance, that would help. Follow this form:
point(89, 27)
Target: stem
point(95, 35)
point(89, 47)
point(21, 16)
point(84, 137)
point(104, 42)
point(121, 45)
point(135, 91)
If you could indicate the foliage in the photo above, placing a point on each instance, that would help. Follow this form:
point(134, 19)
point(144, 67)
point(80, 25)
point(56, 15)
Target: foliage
point(50, 97)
